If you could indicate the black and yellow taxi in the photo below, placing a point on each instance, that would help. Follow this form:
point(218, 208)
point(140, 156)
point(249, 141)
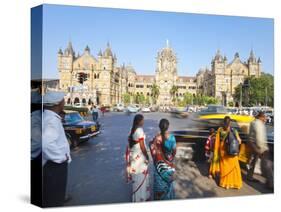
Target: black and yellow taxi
point(77, 129)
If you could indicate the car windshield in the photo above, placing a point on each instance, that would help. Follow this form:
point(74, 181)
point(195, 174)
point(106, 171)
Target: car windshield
point(73, 117)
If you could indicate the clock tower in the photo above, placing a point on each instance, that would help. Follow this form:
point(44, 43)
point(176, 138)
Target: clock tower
point(166, 74)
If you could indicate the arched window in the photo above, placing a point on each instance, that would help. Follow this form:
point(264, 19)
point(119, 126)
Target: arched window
point(76, 100)
point(68, 101)
point(84, 101)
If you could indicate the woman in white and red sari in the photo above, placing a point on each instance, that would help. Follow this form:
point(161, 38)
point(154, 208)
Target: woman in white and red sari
point(137, 162)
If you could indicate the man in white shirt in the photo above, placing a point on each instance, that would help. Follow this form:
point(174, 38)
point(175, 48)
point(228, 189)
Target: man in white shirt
point(55, 150)
point(258, 143)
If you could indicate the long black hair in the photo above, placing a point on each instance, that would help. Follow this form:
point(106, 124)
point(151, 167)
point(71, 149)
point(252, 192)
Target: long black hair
point(226, 121)
point(164, 126)
point(137, 120)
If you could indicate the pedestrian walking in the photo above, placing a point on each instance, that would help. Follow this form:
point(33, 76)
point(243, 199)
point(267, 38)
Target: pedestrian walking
point(55, 150)
point(209, 149)
point(258, 144)
point(102, 110)
point(95, 113)
point(163, 151)
point(224, 163)
point(137, 161)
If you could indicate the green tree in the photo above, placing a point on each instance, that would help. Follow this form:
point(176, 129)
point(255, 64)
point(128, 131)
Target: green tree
point(230, 104)
point(147, 100)
point(126, 98)
point(187, 99)
point(155, 93)
point(173, 92)
point(259, 92)
point(212, 100)
point(139, 98)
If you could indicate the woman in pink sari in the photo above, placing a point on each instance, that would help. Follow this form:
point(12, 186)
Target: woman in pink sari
point(137, 162)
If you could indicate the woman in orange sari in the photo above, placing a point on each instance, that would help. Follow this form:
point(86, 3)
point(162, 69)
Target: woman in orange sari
point(227, 166)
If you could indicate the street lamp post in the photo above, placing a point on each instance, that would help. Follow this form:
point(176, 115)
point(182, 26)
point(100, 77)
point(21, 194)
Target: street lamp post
point(240, 104)
point(266, 96)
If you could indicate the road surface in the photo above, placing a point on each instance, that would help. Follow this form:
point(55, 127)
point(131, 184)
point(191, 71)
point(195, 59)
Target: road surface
point(96, 173)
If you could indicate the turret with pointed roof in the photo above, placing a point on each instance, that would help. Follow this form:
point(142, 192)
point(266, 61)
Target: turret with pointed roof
point(69, 50)
point(107, 52)
point(60, 52)
point(252, 58)
point(87, 49)
point(100, 53)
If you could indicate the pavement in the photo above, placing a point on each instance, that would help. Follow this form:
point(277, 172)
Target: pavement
point(97, 172)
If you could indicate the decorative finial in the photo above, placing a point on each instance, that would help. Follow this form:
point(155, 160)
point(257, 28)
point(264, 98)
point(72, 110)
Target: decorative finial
point(167, 43)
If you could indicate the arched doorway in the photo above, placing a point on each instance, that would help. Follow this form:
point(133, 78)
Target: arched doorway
point(90, 102)
point(68, 101)
point(76, 100)
point(84, 101)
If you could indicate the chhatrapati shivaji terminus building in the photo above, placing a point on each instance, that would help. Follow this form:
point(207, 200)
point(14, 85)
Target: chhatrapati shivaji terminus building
point(106, 81)
point(101, 80)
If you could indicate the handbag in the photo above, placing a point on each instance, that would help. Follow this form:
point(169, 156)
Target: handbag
point(232, 144)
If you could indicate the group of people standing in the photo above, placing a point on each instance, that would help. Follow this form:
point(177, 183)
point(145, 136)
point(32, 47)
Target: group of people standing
point(225, 167)
point(162, 150)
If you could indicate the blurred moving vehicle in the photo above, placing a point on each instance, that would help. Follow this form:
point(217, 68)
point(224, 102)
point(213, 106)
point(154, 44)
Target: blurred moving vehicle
point(77, 129)
point(145, 109)
point(165, 109)
point(180, 112)
point(118, 107)
point(190, 142)
point(132, 109)
point(154, 108)
point(214, 109)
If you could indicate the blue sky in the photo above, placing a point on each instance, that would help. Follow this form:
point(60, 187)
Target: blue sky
point(136, 36)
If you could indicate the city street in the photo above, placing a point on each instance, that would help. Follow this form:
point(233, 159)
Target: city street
point(96, 173)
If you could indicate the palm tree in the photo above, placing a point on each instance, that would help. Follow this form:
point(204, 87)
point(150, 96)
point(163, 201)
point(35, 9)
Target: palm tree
point(173, 92)
point(154, 92)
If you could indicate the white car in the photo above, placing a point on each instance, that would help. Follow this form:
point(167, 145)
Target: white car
point(145, 110)
point(119, 107)
point(132, 109)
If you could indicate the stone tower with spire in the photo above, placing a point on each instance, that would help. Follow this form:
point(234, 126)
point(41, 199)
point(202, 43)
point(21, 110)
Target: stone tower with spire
point(254, 64)
point(166, 73)
point(226, 76)
point(103, 78)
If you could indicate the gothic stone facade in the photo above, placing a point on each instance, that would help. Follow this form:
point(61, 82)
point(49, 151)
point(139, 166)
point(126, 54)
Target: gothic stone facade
point(221, 80)
point(107, 82)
